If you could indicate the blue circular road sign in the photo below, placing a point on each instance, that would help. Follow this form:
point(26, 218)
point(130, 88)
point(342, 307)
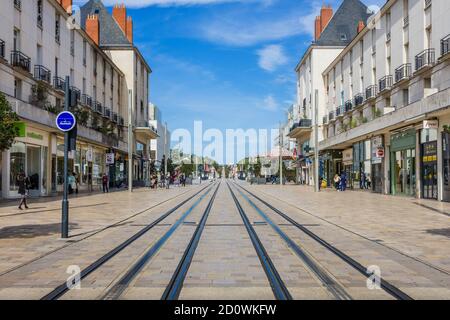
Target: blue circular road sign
point(66, 121)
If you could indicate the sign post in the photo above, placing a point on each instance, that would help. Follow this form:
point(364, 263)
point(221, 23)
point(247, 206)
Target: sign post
point(65, 122)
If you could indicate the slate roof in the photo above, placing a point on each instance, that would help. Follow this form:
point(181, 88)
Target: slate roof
point(342, 28)
point(110, 32)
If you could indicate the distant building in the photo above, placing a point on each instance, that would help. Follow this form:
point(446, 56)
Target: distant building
point(161, 145)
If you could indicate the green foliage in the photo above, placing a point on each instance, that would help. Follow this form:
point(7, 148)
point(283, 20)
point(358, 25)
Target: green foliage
point(82, 116)
point(377, 113)
point(39, 96)
point(353, 123)
point(8, 127)
point(364, 120)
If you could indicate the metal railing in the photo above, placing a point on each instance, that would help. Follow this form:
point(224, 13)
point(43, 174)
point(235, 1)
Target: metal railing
point(59, 83)
point(359, 99)
point(41, 73)
point(371, 92)
point(98, 107)
point(445, 45)
point(18, 4)
point(348, 106)
point(107, 113)
point(428, 3)
point(406, 21)
point(403, 72)
point(425, 58)
point(115, 117)
point(385, 83)
point(77, 92)
point(340, 111)
point(86, 100)
point(18, 59)
point(2, 49)
point(121, 121)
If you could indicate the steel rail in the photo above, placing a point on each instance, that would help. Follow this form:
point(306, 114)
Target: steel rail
point(335, 288)
point(278, 287)
point(385, 285)
point(119, 287)
point(175, 285)
point(63, 288)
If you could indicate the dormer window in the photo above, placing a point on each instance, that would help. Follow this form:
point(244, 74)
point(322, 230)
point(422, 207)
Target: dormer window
point(343, 37)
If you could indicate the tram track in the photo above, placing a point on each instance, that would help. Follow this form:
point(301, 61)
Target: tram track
point(326, 279)
point(388, 287)
point(277, 284)
point(63, 288)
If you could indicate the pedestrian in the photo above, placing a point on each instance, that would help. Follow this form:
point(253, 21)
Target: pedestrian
point(337, 180)
point(105, 183)
point(24, 187)
point(77, 181)
point(369, 181)
point(168, 181)
point(362, 183)
point(343, 182)
point(71, 183)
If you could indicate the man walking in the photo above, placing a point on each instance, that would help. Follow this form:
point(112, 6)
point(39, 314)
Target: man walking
point(105, 183)
point(24, 186)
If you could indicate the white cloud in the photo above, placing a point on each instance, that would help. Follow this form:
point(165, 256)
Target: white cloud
point(271, 57)
point(270, 104)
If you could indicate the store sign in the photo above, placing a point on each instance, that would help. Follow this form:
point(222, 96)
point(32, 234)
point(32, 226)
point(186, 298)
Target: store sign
point(110, 158)
point(347, 156)
point(35, 136)
point(21, 127)
point(431, 124)
point(378, 152)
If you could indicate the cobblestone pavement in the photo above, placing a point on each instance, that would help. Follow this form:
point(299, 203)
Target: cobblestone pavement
point(407, 239)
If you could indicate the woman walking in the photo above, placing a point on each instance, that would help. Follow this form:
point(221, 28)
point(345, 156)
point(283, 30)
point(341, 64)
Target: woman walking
point(24, 185)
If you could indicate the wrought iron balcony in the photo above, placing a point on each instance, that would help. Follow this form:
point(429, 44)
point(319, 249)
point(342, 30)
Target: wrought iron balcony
point(385, 83)
point(445, 45)
point(98, 107)
point(425, 59)
point(59, 83)
point(331, 116)
point(403, 72)
point(20, 60)
point(121, 121)
point(86, 100)
point(348, 106)
point(76, 92)
point(2, 49)
point(115, 117)
point(18, 4)
point(371, 92)
point(359, 100)
point(41, 73)
point(340, 111)
point(107, 113)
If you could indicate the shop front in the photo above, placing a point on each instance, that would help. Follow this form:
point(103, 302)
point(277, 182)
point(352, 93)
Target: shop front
point(429, 164)
point(347, 162)
point(332, 165)
point(375, 180)
point(362, 165)
point(29, 154)
point(403, 163)
point(446, 165)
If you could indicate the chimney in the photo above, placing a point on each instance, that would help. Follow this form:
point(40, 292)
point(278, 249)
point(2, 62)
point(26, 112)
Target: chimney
point(93, 28)
point(67, 5)
point(317, 29)
point(361, 26)
point(326, 13)
point(120, 15)
point(130, 29)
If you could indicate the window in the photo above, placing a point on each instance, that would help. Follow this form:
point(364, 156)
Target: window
point(405, 97)
point(72, 42)
point(16, 44)
point(56, 67)
point(17, 88)
point(343, 37)
point(40, 15)
point(57, 29)
point(84, 52)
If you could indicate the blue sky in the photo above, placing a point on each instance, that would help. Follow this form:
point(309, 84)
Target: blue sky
point(229, 63)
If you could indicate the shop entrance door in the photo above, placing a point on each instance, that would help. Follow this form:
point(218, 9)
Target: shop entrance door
point(404, 172)
point(34, 171)
point(429, 170)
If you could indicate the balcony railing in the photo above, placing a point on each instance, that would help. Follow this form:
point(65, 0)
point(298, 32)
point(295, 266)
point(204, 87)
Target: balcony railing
point(348, 106)
point(98, 107)
point(18, 4)
point(428, 3)
point(121, 121)
point(359, 99)
point(41, 73)
point(59, 83)
point(2, 49)
point(371, 92)
point(331, 116)
point(406, 21)
point(403, 72)
point(107, 113)
point(76, 92)
point(115, 117)
point(86, 100)
point(340, 111)
point(445, 45)
point(20, 60)
point(425, 58)
point(385, 83)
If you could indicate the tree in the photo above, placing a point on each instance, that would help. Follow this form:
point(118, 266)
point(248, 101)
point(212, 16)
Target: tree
point(8, 124)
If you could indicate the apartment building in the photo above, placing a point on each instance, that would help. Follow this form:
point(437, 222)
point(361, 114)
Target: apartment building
point(161, 145)
point(333, 32)
point(114, 34)
point(388, 97)
point(39, 46)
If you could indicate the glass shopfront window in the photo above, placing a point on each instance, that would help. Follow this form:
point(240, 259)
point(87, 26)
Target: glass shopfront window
point(17, 164)
point(405, 172)
point(428, 139)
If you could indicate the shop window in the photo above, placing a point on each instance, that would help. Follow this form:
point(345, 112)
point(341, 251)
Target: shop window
point(17, 163)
